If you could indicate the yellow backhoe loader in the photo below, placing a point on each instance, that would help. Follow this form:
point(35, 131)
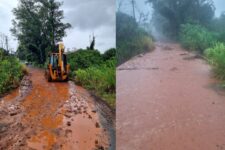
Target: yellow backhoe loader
point(57, 69)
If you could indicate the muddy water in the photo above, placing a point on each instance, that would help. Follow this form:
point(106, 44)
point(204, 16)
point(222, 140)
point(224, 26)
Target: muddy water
point(53, 115)
point(166, 101)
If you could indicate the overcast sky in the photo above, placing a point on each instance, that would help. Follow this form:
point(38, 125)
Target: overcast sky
point(141, 6)
point(85, 16)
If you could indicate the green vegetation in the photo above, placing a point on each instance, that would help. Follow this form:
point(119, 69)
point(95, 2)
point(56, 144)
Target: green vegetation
point(208, 40)
point(169, 15)
point(130, 38)
point(11, 72)
point(38, 26)
point(216, 56)
point(96, 72)
point(196, 37)
point(82, 59)
point(194, 25)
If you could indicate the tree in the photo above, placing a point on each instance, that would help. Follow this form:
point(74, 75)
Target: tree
point(38, 26)
point(169, 15)
point(92, 45)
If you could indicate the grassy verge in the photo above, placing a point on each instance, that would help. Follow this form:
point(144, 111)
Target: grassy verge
point(96, 72)
point(216, 57)
point(208, 43)
point(131, 39)
point(196, 37)
point(11, 72)
point(100, 79)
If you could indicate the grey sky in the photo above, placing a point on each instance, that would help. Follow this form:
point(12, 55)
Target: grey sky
point(142, 6)
point(85, 16)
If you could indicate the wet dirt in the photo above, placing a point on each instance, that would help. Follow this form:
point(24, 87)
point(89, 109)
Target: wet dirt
point(172, 108)
point(45, 115)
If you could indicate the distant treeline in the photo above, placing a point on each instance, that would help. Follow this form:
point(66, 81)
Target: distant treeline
point(131, 39)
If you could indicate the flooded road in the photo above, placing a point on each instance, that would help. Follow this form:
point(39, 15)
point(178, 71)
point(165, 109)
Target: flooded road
point(168, 100)
point(45, 115)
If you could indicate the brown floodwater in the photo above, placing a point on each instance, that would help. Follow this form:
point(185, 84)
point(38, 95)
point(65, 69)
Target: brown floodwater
point(53, 115)
point(167, 100)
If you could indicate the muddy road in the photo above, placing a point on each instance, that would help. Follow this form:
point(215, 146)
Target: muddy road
point(169, 100)
point(45, 115)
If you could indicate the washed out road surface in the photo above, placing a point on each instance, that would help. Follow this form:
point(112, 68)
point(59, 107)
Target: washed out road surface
point(168, 100)
point(43, 115)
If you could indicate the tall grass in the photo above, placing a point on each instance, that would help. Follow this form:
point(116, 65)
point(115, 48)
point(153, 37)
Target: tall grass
point(101, 79)
point(216, 56)
point(131, 39)
point(95, 71)
point(11, 72)
point(196, 37)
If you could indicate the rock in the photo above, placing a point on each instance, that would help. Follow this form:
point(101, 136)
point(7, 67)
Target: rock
point(67, 132)
point(97, 125)
point(68, 116)
point(99, 147)
point(13, 113)
point(94, 111)
point(68, 123)
point(96, 142)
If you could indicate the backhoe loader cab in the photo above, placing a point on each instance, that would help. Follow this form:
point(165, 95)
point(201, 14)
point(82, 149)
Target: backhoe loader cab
point(57, 69)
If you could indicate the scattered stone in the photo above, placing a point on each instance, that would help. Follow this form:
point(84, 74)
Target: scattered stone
point(67, 115)
point(13, 113)
point(89, 116)
point(96, 142)
point(3, 127)
point(97, 125)
point(94, 111)
point(68, 123)
point(68, 131)
point(99, 147)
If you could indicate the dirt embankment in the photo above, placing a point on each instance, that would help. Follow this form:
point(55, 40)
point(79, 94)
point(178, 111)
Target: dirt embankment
point(52, 115)
point(166, 100)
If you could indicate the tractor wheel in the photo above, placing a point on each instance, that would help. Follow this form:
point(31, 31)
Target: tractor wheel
point(48, 76)
point(67, 79)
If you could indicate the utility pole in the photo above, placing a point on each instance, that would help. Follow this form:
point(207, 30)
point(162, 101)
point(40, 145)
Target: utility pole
point(6, 43)
point(133, 3)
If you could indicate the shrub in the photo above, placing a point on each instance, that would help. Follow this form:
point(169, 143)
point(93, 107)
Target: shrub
point(131, 40)
point(196, 37)
point(10, 73)
point(216, 56)
point(109, 54)
point(101, 79)
point(82, 59)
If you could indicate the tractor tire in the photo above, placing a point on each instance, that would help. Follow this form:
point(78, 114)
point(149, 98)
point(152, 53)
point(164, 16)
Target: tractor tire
point(67, 79)
point(49, 79)
point(48, 76)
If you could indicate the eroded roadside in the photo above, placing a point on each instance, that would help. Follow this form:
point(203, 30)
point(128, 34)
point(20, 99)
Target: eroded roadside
point(56, 115)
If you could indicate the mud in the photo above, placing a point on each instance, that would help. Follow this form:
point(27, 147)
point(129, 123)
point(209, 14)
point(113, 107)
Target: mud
point(174, 107)
point(50, 115)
